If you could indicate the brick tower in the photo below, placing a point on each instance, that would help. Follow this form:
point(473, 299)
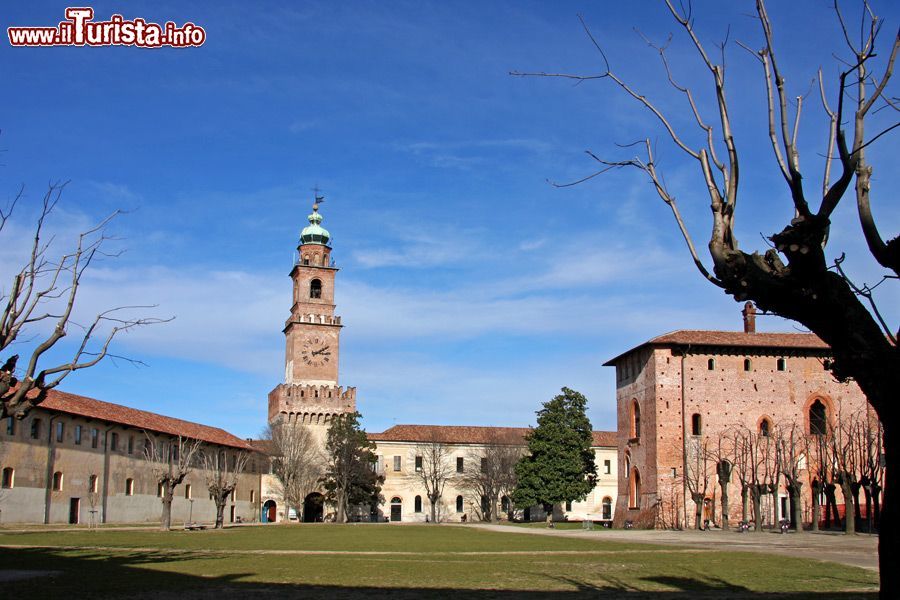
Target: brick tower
point(310, 393)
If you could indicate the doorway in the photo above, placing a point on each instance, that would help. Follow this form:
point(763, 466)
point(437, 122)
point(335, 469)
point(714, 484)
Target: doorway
point(396, 509)
point(269, 511)
point(74, 510)
point(314, 508)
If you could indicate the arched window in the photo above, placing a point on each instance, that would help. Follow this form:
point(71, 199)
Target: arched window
point(315, 288)
point(635, 420)
point(504, 503)
point(695, 424)
point(711, 364)
point(417, 504)
point(748, 364)
point(9, 477)
point(92, 484)
point(187, 492)
point(607, 508)
point(765, 427)
point(252, 496)
point(781, 364)
point(57, 481)
point(459, 504)
point(129, 487)
point(818, 422)
point(634, 490)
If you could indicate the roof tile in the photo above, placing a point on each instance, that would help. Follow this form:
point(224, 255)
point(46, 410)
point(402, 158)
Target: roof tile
point(132, 417)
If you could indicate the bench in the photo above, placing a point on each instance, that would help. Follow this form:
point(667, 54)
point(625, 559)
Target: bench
point(194, 527)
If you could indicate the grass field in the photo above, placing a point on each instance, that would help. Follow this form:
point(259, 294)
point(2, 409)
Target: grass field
point(355, 561)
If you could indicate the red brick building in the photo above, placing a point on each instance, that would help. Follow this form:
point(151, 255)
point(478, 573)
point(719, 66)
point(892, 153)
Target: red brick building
point(685, 389)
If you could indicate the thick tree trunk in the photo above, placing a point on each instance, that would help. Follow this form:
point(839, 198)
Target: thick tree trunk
point(757, 509)
point(166, 519)
point(796, 509)
point(724, 486)
point(816, 507)
point(831, 506)
point(433, 502)
point(698, 510)
point(876, 506)
point(220, 513)
point(745, 503)
point(849, 506)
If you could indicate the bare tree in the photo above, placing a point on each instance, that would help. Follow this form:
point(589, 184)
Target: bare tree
point(490, 474)
point(697, 475)
point(39, 305)
point(433, 470)
point(222, 473)
point(297, 461)
point(171, 459)
point(790, 444)
point(723, 460)
point(794, 278)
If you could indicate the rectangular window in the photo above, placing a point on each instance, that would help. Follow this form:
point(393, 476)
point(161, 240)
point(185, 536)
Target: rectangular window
point(10, 426)
point(78, 435)
point(187, 491)
point(484, 464)
point(35, 429)
point(607, 467)
point(130, 444)
point(418, 464)
point(60, 431)
point(397, 463)
point(460, 464)
point(114, 442)
point(95, 437)
point(129, 487)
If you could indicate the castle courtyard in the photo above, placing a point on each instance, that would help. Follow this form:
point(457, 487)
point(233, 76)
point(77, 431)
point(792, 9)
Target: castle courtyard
point(406, 561)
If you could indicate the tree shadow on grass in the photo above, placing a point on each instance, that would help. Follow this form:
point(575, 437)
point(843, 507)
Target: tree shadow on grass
point(124, 574)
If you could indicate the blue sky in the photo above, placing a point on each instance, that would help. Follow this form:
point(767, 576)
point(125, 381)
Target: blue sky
point(471, 289)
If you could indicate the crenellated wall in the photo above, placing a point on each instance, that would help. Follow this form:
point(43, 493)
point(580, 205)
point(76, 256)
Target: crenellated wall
point(310, 404)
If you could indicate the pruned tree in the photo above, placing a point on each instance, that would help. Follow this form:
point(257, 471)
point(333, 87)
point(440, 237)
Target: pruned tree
point(297, 461)
point(697, 474)
point(794, 278)
point(722, 456)
point(559, 465)
point(38, 307)
point(790, 444)
point(433, 470)
point(350, 477)
point(170, 459)
point(490, 474)
point(222, 471)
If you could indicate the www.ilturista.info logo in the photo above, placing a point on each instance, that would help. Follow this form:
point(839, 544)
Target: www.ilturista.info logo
point(80, 30)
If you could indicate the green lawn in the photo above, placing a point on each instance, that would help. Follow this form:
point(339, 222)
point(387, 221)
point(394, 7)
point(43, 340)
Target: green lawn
point(398, 562)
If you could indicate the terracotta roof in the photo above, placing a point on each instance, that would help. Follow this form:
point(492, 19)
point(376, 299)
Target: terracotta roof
point(140, 419)
point(466, 434)
point(731, 339)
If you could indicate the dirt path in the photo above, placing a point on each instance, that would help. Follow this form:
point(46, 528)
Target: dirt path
point(859, 550)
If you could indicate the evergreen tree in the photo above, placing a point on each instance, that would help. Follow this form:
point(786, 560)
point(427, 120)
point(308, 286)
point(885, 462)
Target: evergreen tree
point(559, 466)
point(350, 478)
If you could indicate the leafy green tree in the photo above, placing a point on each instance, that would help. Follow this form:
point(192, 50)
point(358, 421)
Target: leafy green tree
point(559, 466)
point(350, 478)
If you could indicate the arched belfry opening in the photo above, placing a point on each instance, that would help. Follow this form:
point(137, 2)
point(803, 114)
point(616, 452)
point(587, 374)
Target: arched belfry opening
point(315, 288)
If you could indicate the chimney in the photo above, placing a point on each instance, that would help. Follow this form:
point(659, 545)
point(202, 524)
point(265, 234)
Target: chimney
point(749, 313)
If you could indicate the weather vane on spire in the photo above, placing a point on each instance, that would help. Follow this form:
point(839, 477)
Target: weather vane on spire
point(318, 199)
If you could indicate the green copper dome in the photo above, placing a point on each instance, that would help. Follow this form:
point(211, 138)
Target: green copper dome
point(315, 233)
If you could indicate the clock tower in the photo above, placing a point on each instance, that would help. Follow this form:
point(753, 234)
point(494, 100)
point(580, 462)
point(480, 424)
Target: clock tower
point(310, 393)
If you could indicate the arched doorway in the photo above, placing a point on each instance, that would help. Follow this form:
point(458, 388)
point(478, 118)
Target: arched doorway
point(396, 508)
point(269, 512)
point(314, 508)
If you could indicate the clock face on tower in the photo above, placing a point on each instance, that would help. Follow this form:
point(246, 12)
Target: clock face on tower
point(316, 351)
